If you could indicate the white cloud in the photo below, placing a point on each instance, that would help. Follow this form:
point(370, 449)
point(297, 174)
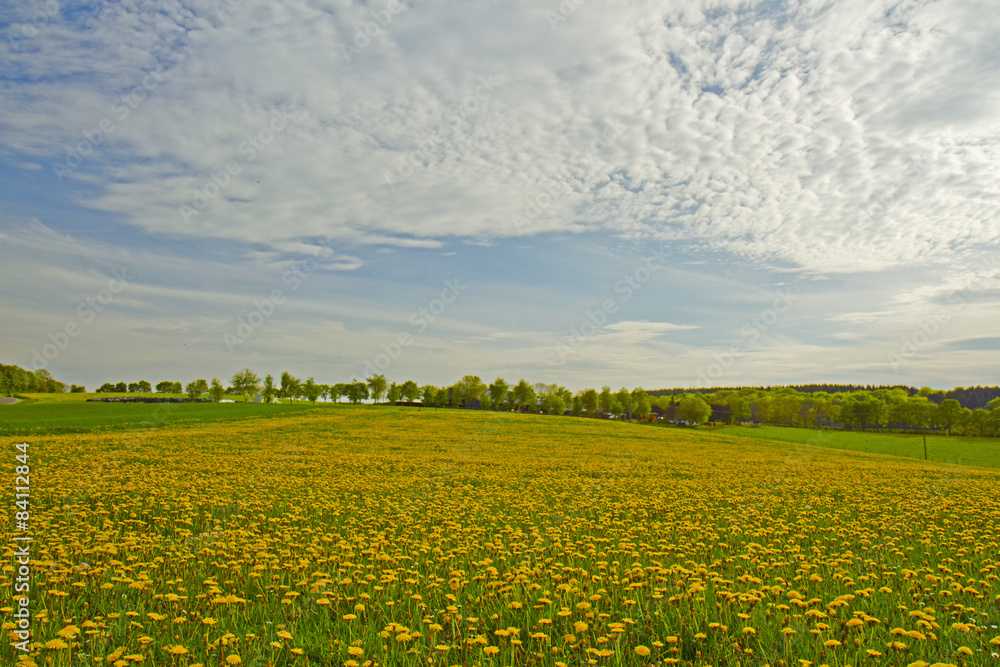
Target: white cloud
point(848, 137)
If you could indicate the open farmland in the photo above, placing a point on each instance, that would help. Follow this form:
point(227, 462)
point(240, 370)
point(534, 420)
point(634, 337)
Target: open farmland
point(70, 413)
point(396, 536)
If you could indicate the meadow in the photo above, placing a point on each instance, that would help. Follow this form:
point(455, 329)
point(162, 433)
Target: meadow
point(958, 450)
point(70, 413)
point(403, 536)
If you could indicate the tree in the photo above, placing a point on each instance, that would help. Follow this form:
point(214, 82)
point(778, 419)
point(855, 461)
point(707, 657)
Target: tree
point(77, 389)
point(121, 387)
point(605, 400)
point(948, 413)
point(524, 395)
point(393, 394)
point(357, 391)
point(625, 399)
point(165, 387)
point(339, 389)
point(553, 403)
point(216, 391)
point(590, 403)
point(196, 388)
point(376, 387)
point(289, 386)
point(441, 397)
point(993, 417)
point(694, 409)
point(497, 392)
point(739, 407)
point(576, 407)
point(616, 407)
point(640, 403)
point(311, 390)
point(107, 387)
point(470, 388)
point(269, 390)
point(324, 391)
point(427, 393)
point(454, 400)
point(245, 382)
point(409, 391)
point(975, 423)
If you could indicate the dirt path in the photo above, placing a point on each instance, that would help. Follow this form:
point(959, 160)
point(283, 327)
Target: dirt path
point(8, 401)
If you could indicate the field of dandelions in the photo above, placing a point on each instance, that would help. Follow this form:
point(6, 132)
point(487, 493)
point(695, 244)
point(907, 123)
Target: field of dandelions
point(399, 536)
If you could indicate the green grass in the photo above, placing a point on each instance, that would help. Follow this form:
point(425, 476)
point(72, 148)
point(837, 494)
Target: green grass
point(44, 414)
point(953, 449)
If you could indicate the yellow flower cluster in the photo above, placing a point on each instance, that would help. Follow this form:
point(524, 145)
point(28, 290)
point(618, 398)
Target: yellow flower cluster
point(359, 536)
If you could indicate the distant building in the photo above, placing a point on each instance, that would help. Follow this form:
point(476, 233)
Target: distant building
point(258, 398)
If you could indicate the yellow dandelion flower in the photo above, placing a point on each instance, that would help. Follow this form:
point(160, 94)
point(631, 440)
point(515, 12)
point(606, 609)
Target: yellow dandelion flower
point(642, 651)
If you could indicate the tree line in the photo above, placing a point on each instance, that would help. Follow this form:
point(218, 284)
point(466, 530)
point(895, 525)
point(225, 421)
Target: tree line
point(879, 409)
point(17, 380)
point(882, 408)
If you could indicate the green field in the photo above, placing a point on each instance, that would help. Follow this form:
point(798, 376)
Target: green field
point(954, 449)
point(45, 414)
point(377, 536)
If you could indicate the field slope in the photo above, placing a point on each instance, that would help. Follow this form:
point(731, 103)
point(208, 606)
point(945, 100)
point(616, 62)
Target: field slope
point(401, 536)
point(954, 449)
point(45, 414)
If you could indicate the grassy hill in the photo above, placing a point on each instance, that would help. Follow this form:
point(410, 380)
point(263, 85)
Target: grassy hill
point(70, 413)
point(958, 450)
point(409, 536)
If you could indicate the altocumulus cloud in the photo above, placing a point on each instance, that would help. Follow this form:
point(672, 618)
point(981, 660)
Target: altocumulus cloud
point(826, 137)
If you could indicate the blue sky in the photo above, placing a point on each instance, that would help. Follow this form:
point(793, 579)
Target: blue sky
point(651, 194)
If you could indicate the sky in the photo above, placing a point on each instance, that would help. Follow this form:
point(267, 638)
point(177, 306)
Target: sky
point(656, 194)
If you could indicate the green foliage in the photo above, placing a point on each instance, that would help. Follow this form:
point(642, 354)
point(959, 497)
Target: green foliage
point(694, 409)
point(216, 391)
point(311, 390)
point(376, 387)
point(17, 380)
point(245, 383)
point(194, 389)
